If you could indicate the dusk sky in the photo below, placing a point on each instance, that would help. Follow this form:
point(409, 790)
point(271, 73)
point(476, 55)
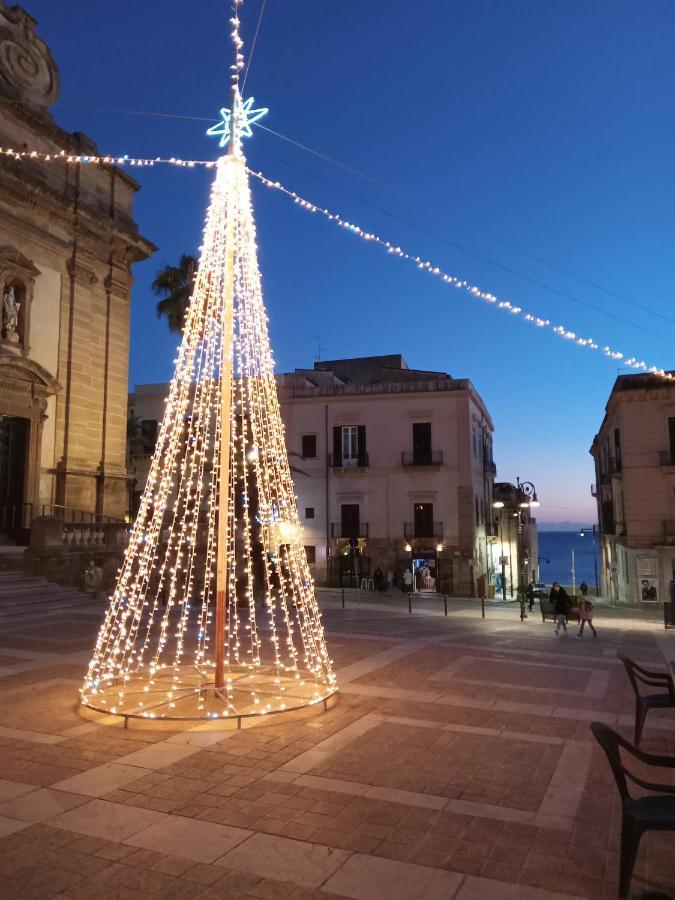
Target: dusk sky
point(526, 146)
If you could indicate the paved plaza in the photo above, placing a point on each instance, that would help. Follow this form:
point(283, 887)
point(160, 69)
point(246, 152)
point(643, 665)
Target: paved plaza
point(458, 763)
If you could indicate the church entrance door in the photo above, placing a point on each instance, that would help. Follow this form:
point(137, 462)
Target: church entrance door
point(14, 435)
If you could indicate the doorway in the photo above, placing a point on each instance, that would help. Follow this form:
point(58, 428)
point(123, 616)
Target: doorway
point(424, 571)
point(14, 433)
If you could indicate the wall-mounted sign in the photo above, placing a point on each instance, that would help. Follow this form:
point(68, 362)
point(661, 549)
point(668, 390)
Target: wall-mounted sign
point(647, 567)
point(648, 578)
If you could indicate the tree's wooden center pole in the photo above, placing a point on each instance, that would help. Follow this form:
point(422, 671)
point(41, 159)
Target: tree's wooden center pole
point(224, 498)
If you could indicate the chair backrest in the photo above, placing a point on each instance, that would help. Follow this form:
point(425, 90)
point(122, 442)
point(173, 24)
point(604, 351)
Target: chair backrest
point(609, 741)
point(639, 676)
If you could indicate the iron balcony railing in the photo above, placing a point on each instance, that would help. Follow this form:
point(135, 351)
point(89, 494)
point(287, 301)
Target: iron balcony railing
point(431, 458)
point(417, 530)
point(337, 530)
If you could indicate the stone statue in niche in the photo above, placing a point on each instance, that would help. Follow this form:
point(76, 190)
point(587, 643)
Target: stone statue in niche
point(10, 315)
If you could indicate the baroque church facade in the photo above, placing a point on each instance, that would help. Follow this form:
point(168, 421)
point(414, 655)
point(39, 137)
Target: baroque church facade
point(68, 242)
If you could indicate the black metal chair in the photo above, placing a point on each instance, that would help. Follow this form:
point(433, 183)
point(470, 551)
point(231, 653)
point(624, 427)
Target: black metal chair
point(644, 702)
point(650, 813)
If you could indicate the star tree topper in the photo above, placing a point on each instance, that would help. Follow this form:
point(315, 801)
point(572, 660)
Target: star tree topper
point(246, 116)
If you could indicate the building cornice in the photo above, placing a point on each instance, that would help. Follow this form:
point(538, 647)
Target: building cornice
point(23, 186)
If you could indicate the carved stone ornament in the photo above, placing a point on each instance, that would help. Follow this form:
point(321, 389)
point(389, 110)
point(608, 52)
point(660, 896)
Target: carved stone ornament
point(27, 69)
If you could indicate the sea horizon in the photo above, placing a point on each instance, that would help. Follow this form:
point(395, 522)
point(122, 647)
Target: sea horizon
point(555, 555)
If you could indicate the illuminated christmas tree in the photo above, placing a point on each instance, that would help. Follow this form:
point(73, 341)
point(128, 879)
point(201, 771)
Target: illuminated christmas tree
point(214, 612)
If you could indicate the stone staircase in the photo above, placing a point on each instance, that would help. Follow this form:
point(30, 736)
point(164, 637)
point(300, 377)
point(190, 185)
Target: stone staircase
point(23, 595)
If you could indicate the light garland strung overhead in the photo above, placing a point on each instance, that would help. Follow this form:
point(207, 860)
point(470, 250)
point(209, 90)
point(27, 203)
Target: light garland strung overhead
point(630, 361)
point(214, 614)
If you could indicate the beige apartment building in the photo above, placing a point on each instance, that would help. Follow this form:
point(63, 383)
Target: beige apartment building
point(634, 454)
point(68, 241)
point(393, 470)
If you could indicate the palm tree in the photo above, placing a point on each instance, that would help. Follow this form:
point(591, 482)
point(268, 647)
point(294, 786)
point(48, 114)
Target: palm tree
point(174, 285)
point(134, 443)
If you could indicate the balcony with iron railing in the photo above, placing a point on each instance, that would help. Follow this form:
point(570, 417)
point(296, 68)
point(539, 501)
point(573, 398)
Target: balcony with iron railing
point(418, 530)
point(340, 531)
point(594, 490)
point(417, 458)
point(615, 466)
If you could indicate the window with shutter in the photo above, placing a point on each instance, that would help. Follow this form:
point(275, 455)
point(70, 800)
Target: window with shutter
point(337, 446)
point(309, 446)
point(361, 454)
point(421, 440)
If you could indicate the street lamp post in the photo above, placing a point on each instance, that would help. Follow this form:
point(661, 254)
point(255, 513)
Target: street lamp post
point(527, 500)
point(582, 533)
point(511, 557)
point(499, 504)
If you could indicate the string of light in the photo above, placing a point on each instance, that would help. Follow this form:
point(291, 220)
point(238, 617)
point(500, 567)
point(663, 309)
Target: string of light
point(475, 291)
point(562, 331)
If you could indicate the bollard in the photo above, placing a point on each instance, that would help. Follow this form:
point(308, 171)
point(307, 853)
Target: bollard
point(482, 607)
point(445, 603)
point(343, 598)
point(410, 603)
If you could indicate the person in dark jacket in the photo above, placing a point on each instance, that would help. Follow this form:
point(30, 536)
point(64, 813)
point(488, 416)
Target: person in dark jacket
point(529, 593)
point(561, 606)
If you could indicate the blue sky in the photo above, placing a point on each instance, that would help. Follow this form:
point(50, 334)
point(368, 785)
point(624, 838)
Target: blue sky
point(517, 130)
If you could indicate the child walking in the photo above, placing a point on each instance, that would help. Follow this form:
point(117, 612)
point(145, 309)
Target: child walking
point(586, 615)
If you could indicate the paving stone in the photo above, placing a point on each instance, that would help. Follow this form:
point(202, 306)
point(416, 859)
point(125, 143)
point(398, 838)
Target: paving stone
point(41, 805)
point(11, 789)
point(369, 878)
point(112, 821)
point(270, 856)
point(10, 826)
point(190, 838)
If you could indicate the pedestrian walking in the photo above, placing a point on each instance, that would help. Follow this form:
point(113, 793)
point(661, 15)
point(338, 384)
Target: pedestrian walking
point(407, 580)
point(530, 595)
point(583, 587)
point(586, 616)
point(561, 606)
